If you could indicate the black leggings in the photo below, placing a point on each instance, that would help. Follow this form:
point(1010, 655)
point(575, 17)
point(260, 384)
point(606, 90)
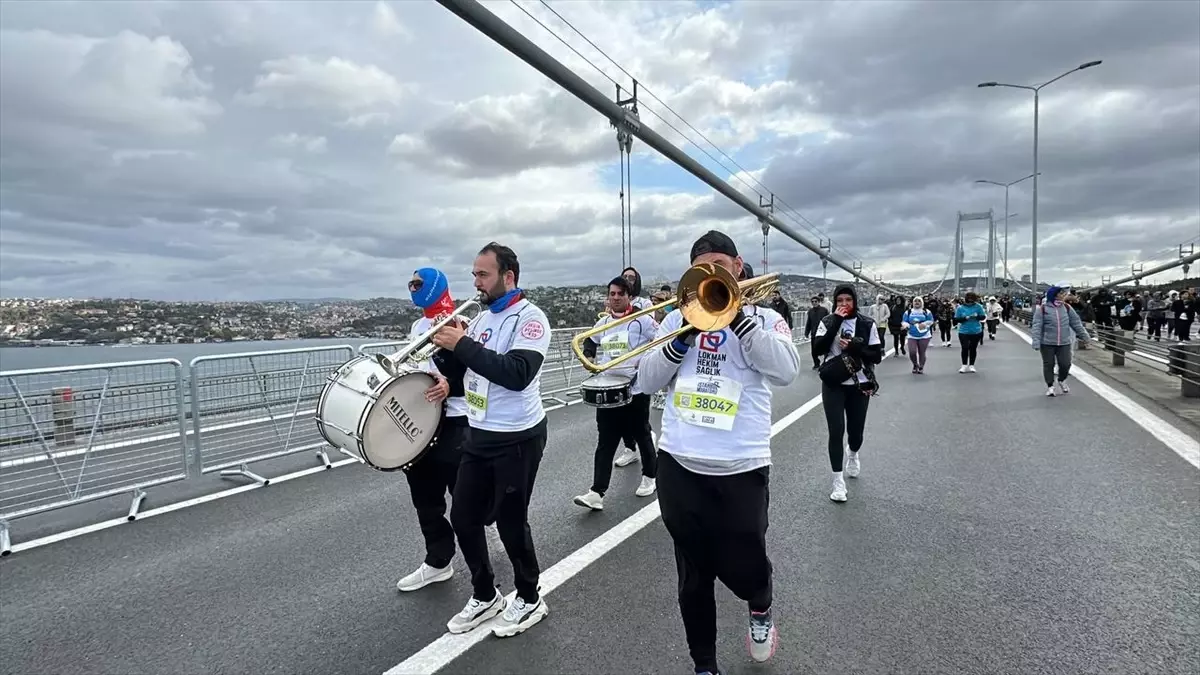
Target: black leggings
point(845, 415)
point(898, 338)
point(630, 420)
point(970, 345)
point(944, 329)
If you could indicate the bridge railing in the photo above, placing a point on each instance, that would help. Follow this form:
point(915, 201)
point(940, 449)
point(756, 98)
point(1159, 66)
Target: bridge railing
point(75, 434)
point(1169, 356)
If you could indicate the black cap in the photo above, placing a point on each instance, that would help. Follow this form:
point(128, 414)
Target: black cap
point(714, 242)
point(747, 272)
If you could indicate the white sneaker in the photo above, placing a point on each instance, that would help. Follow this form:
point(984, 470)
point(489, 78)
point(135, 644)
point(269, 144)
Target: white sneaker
point(519, 617)
point(628, 456)
point(839, 488)
point(963, 369)
point(1063, 386)
point(852, 464)
point(475, 613)
point(1050, 390)
point(592, 500)
point(762, 638)
point(423, 576)
point(647, 487)
point(971, 369)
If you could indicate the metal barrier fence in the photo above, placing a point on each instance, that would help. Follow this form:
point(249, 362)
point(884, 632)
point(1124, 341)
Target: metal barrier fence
point(1172, 357)
point(74, 434)
point(80, 433)
point(254, 406)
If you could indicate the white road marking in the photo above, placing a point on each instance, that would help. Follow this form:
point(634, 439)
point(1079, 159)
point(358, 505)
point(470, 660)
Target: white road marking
point(1180, 443)
point(439, 653)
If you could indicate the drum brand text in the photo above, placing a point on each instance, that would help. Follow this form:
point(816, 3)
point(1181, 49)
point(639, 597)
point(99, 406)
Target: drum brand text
point(402, 420)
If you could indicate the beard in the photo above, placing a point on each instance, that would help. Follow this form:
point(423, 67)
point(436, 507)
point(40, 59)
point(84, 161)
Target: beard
point(494, 293)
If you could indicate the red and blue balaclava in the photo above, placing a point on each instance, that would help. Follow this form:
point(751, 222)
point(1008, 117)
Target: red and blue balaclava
point(433, 296)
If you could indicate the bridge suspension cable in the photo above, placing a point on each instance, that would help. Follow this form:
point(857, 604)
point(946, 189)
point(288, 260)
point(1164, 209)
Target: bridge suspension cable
point(780, 205)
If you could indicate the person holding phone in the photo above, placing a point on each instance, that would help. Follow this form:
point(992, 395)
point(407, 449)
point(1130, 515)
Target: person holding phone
point(847, 384)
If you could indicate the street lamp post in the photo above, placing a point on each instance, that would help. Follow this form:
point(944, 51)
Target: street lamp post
point(1006, 186)
point(1036, 91)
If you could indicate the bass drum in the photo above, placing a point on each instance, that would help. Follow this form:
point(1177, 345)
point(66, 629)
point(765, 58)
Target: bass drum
point(382, 420)
point(607, 390)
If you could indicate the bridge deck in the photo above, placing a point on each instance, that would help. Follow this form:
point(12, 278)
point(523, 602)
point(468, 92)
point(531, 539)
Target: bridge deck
point(992, 530)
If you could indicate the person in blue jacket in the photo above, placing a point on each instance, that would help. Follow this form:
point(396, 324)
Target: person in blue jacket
point(969, 316)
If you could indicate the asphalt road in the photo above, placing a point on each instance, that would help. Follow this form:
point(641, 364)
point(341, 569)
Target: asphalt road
point(992, 530)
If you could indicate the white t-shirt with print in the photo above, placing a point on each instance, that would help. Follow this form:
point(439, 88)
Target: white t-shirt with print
point(456, 406)
point(491, 407)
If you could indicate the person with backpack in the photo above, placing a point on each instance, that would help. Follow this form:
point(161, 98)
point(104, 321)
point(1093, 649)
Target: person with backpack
point(849, 343)
point(1056, 325)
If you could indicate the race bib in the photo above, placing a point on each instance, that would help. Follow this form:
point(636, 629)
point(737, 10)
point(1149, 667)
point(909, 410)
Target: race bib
point(710, 402)
point(614, 345)
point(477, 397)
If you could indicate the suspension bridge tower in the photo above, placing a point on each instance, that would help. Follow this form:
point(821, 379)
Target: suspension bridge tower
point(987, 266)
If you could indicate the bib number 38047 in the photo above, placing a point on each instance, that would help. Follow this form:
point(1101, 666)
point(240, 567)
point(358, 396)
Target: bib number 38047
point(708, 402)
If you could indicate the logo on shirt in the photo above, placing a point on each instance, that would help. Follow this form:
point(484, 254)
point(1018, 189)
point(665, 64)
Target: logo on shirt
point(534, 330)
point(485, 336)
point(781, 326)
point(711, 342)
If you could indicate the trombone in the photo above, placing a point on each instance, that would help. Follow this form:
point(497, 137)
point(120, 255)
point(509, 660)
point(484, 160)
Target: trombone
point(709, 297)
point(421, 348)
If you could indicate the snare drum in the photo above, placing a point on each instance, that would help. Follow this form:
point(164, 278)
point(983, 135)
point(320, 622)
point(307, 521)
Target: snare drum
point(607, 390)
point(381, 420)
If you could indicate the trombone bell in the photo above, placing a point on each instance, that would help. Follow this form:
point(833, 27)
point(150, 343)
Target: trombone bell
point(708, 296)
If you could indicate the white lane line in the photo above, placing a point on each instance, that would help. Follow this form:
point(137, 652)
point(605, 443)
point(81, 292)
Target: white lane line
point(439, 653)
point(1180, 443)
point(149, 513)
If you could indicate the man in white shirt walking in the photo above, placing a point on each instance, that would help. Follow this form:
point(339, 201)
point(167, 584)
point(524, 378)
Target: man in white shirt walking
point(499, 360)
point(715, 456)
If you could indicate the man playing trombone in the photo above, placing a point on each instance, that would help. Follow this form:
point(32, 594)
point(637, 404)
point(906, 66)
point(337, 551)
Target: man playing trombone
point(631, 420)
point(715, 443)
point(433, 476)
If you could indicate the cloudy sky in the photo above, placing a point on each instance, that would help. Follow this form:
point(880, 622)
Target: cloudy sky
point(228, 150)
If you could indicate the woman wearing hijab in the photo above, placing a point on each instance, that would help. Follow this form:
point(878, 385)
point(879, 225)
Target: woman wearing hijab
point(847, 384)
point(969, 316)
point(1056, 326)
point(918, 321)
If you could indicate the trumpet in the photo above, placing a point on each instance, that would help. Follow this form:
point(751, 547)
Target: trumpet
point(421, 348)
point(709, 297)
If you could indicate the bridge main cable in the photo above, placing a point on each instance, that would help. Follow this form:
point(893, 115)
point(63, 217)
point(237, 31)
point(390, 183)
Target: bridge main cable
point(511, 39)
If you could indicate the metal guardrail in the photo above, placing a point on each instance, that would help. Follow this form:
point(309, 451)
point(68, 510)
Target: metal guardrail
point(1171, 357)
point(74, 434)
point(82, 450)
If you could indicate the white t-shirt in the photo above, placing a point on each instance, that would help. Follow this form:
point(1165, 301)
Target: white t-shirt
point(456, 406)
point(848, 327)
point(494, 408)
point(718, 413)
point(640, 302)
point(618, 340)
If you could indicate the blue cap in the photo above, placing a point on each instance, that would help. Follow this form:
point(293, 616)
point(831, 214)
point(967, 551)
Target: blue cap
point(433, 286)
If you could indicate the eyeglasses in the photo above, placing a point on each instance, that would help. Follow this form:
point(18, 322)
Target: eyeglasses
point(415, 285)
